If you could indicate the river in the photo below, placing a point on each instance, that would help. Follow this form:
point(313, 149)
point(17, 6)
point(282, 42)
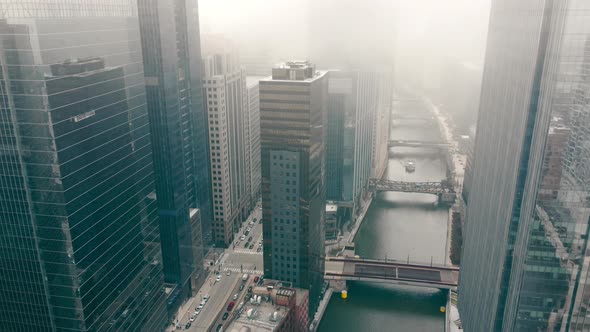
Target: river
point(398, 226)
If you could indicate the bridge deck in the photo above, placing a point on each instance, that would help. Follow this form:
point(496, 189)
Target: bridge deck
point(341, 268)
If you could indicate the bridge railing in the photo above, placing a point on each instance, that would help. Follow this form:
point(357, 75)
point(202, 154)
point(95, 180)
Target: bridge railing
point(393, 261)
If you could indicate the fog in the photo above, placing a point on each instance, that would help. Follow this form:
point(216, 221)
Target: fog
point(424, 39)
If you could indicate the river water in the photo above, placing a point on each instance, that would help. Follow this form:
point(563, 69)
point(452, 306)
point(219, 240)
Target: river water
point(398, 226)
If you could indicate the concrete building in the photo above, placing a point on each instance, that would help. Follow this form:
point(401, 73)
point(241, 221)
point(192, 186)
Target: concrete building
point(469, 164)
point(292, 123)
point(525, 261)
point(280, 309)
point(253, 86)
point(79, 230)
point(226, 100)
point(332, 222)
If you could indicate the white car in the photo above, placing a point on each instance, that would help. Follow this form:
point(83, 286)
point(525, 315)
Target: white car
point(200, 307)
point(192, 319)
point(228, 273)
point(218, 277)
point(243, 237)
point(206, 297)
point(197, 312)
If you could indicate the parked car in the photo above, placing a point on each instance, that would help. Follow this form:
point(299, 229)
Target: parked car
point(218, 278)
point(250, 239)
point(228, 273)
point(225, 315)
point(241, 287)
point(206, 297)
point(187, 326)
point(256, 278)
point(246, 244)
point(236, 296)
point(251, 246)
point(243, 237)
point(219, 327)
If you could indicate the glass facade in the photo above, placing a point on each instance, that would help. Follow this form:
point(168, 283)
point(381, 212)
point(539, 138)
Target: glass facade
point(529, 210)
point(171, 58)
point(79, 236)
point(352, 111)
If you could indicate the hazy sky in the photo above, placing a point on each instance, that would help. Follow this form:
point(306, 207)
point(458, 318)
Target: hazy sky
point(429, 29)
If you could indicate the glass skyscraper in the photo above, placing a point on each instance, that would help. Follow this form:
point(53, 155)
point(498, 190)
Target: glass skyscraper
point(525, 264)
point(171, 58)
point(78, 220)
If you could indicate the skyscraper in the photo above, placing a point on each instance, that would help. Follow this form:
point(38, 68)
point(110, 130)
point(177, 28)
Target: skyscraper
point(525, 259)
point(352, 109)
point(292, 136)
point(226, 100)
point(78, 224)
point(253, 126)
point(171, 57)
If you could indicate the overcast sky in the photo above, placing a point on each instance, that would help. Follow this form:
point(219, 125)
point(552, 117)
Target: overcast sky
point(425, 28)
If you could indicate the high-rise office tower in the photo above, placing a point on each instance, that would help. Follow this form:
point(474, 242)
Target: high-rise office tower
point(292, 137)
point(525, 259)
point(171, 57)
point(253, 127)
point(78, 223)
point(226, 100)
point(366, 49)
point(352, 109)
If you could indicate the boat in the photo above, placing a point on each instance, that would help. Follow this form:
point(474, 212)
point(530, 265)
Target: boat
point(410, 166)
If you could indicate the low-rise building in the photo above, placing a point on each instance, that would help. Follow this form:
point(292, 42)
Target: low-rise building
point(273, 308)
point(331, 225)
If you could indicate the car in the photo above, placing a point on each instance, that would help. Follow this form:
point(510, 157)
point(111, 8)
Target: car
point(187, 326)
point(218, 278)
point(225, 315)
point(259, 249)
point(206, 297)
point(246, 244)
point(255, 220)
point(251, 223)
point(203, 303)
point(241, 287)
point(259, 242)
point(236, 296)
point(256, 278)
point(247, 232)
point(242, 238)
point(199, 307)
point(228, 273)
point(197, 312)
point(231, 305)
point(250, 239)
point(219, 327)
point(250, 289)
point(192, 319)
point(251, 246)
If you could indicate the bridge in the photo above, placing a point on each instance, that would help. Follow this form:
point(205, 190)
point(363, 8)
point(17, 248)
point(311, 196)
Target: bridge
point(443, 190)
point(342, 269)
point(417, 144)
point(403, 116)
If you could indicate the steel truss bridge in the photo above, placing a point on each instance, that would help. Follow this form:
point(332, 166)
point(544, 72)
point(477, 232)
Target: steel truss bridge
point(435, 188)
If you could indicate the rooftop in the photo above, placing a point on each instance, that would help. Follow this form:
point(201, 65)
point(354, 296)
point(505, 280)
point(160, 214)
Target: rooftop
point(253, 80)
point(331, 207)
point(263, 317)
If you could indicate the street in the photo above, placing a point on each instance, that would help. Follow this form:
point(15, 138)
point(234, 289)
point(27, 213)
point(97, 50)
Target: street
point(238, 259)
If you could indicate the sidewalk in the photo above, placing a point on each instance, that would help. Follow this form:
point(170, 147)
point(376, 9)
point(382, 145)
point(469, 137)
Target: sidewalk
point(191, 303)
